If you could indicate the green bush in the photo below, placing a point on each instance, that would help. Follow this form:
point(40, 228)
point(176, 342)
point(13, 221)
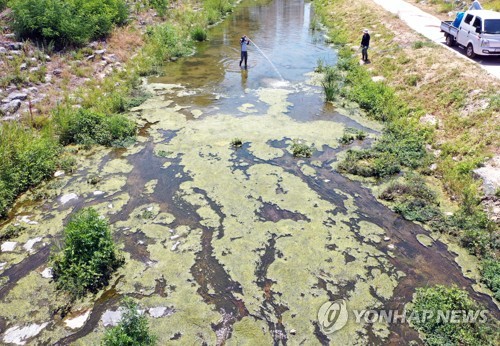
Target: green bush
point(351, 134)
point(28, 158)
point(438, 332)
point(300, 149)
point(67, 22)
point(88, 127)
point(132, 330)
point(199, 34)
point(491, 276)
point(88, 256)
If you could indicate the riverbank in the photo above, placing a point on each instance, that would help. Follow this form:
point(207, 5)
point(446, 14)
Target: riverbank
point(44, 93)
point(452, 100)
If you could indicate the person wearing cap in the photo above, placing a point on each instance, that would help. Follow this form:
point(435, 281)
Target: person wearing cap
point(365, 43)
point(244, 42)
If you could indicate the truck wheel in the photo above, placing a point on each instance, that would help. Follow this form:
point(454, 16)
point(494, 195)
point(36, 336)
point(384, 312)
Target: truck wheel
point(469, 51)
point(450, 41)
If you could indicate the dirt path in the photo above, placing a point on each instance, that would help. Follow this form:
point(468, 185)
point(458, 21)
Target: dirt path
point(428, 25)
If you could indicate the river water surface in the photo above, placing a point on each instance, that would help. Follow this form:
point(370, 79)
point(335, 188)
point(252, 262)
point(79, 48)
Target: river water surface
point(230, 245)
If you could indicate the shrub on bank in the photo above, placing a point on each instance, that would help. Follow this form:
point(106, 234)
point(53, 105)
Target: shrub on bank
point(132, 330)
point(89, 127)
point(67, 22)
point(28, 157)
point(441, 299)
point(88, 256)
point(491, 276)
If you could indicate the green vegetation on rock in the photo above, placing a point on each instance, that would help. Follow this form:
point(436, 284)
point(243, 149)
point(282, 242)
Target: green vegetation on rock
point(491, 276)
point(133, 329)
point(88, 256)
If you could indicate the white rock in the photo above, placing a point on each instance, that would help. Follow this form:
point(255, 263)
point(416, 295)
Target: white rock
point(19, 335)
point(387, 238)
point(428, 119)
point(58, 174)
point(2, 265)
point(378, 78)
point(110, 205)
point(8, 246)
point(391, 246)
point(293, 331)
point(175, 237)
point(326, 181)
point(68, 197)
point(47, 273)
point(28, 246)
point(174, 247)
point(98, 193)
point(78, 321)
point(112, 318)
point(157, 312)
point(149, 209)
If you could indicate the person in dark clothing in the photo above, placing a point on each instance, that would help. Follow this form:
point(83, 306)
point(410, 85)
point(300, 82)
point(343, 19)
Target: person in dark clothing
point(244, 42)
point(365, 44)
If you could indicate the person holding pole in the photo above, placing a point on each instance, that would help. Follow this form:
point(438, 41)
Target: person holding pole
point(365, 44)
point(244, 42)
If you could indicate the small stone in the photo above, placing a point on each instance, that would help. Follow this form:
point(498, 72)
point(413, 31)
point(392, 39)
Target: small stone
point(391, 246)
point(110, 205)
point(174, 247)
point(2, 265)
point(293, 331)
point(433, 167)
point(448, 213)
point(58, 174)
point(17, 95)
point(9, 36)
point(57, 72)
point(23, 66)
point(47, 58)
point(47, 273)
point(8, 246)
point(100, 52)
point(68, 197)
point(387, 238)
point(3, 50)
point(378, 78)
point(326, 180)
point(11, 107)
point(15, 45)
point(28, 246)
point(90, 57)
point(98, 193)
point(78, 321)
point(34, 69)
point(175, 237)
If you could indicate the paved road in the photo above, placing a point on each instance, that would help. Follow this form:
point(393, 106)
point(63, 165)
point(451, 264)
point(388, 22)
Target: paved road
point(428, 25)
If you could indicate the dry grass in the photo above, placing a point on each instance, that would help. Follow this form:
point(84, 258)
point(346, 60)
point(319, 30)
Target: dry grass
point(124, 41)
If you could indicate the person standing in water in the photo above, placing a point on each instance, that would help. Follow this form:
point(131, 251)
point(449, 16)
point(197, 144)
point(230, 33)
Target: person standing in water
point(244, 42)
point(365, 44)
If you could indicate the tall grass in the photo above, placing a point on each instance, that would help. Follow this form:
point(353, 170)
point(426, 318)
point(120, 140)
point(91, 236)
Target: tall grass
point(27, 158)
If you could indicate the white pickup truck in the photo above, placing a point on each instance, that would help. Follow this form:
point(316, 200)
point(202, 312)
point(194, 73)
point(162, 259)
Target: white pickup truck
point(478, 31)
